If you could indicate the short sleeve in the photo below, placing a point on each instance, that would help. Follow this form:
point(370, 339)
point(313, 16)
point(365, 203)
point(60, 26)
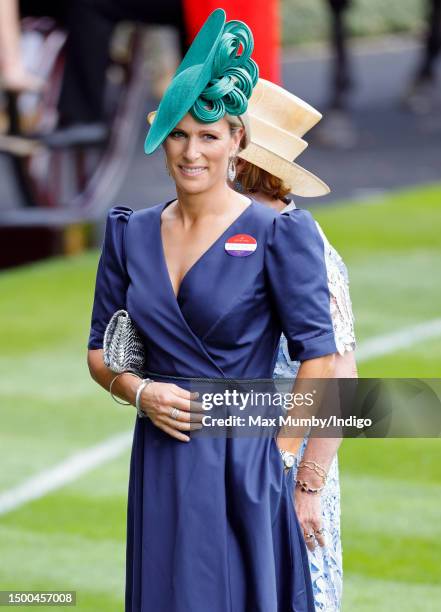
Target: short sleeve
point(296, 272)
point(111, 278)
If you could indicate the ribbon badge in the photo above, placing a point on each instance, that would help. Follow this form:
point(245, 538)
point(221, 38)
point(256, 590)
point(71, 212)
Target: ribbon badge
point(241, 245)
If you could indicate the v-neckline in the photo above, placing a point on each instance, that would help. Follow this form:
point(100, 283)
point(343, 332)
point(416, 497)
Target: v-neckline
point(212, 245)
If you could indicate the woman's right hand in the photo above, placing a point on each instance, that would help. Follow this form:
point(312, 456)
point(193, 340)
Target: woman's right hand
point(157, 402)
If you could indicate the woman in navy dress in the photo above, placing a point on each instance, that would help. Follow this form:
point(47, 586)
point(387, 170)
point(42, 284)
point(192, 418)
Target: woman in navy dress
point(211, 524)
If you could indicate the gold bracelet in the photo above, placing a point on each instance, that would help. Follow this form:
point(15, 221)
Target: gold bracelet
point(315, 467)
point(110, 388)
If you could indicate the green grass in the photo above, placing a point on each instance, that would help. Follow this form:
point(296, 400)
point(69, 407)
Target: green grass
point(50, 408)
point(392, 248)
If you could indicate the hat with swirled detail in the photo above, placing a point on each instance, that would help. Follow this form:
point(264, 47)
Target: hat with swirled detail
point(212, 79)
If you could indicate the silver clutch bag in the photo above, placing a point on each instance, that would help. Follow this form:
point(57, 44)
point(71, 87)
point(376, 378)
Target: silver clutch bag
point(123, 349)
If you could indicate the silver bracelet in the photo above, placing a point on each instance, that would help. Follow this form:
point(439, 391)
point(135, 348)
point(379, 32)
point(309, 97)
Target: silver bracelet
point(113, 380)
point(145, 382)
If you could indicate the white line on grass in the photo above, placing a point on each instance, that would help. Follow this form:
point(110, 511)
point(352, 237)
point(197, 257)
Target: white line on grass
point(404, 338)
point(87, 460)
point(65, 472)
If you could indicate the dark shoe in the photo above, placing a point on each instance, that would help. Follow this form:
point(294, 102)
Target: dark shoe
point(78, 134)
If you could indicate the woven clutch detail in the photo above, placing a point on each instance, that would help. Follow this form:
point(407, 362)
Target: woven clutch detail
point(123, 349)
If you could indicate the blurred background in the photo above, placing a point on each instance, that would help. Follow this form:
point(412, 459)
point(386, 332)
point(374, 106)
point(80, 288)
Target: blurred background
point(77, 81)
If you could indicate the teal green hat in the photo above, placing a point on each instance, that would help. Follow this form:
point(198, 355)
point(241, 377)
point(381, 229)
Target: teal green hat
point(211, 80)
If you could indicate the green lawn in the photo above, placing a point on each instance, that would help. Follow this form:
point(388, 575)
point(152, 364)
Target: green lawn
point(50, 408)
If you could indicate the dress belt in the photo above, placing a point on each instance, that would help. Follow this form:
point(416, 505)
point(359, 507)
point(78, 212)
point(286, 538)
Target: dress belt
point(203, 379)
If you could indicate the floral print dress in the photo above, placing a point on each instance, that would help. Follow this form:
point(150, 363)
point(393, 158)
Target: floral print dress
point(326, 562)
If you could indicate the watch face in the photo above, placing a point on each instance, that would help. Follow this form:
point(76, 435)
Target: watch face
point(289, 461)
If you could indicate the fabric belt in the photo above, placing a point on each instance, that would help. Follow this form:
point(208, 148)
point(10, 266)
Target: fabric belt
point(203, 379)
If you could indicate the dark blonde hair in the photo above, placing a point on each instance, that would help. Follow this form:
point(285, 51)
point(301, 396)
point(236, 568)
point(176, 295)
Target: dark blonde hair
point(239, 121)
point(256, 180)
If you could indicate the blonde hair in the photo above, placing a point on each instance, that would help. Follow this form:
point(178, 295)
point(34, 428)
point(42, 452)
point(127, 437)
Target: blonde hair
point(240, 121)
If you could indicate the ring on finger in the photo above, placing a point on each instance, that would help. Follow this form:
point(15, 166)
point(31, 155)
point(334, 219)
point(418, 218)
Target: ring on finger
point(174, 413)
point(309, 535)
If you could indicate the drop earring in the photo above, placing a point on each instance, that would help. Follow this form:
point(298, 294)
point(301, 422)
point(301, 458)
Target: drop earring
point(166, 167)
point(232, 169)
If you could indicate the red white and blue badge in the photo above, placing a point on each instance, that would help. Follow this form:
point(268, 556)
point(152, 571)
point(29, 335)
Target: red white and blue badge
point(241, 245)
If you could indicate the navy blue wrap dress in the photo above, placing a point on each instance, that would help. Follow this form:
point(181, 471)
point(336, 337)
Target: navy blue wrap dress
point(211, 523)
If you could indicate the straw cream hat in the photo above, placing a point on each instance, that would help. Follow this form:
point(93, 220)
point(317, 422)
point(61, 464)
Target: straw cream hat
point(278, 120)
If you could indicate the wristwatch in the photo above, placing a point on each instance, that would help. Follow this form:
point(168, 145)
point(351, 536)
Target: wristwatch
point(287, 458)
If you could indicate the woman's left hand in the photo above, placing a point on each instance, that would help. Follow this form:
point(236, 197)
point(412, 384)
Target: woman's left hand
point(309, 512)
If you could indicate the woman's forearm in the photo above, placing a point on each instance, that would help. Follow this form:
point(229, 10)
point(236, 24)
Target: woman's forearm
point(322, 450)
point(9, 33)
point(290, 438)
point(125, 385)
point(321, 367)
